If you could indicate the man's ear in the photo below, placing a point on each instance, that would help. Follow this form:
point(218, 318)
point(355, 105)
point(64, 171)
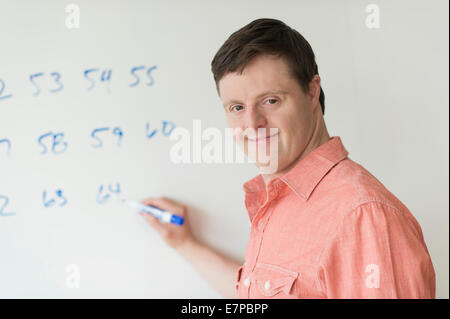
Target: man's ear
point(314, 91)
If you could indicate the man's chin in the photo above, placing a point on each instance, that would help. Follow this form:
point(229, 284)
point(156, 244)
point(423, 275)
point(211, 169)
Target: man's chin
point(271, 167)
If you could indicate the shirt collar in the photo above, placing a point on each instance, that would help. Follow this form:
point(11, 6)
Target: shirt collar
point(308, 172)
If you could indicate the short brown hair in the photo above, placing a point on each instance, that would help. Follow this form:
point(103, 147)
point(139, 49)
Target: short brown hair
point(267, 36)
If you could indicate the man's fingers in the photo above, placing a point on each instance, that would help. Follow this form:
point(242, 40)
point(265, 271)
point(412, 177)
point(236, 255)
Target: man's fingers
point(150, 201)
point(153, 222)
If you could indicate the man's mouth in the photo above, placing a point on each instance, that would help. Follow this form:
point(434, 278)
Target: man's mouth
point(261, 139)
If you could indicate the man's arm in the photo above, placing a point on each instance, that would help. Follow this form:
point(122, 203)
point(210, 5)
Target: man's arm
point(377, 252)
point(219, 270)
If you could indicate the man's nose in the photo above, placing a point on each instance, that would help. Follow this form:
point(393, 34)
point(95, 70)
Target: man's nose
point(255, 119)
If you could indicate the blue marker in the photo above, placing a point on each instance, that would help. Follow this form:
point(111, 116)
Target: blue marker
point(161, 215)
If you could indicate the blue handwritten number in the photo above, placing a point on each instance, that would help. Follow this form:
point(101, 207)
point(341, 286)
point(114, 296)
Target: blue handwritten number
point(2, 207)
point(95, 131)
point(42, 144)
point(116, 190)
point(8, 143)
point(86, 72)
point(60, 195)
point(149, 135)
point(117, 131)
point(2, 88)
point(51, 202)
point(133, 70)
point(32, 77)
point(46, 202)
point(57, 77)
point(167, 128)
point(57, 141)
point(164, 130)
point(151, 81)
point(106, 77)
point(102, 198)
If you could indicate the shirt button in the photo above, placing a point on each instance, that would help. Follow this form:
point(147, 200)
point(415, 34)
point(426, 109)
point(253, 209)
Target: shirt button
point(267, 285)
point(247, 282)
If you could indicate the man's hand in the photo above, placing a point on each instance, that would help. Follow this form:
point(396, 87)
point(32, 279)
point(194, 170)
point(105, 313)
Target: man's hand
point(173, 235)
point(219, 270)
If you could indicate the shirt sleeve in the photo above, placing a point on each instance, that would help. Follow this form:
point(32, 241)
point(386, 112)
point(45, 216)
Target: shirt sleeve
point(377, 252)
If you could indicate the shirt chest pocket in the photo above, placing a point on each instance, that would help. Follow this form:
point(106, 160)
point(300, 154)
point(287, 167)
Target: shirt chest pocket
point(271, 281)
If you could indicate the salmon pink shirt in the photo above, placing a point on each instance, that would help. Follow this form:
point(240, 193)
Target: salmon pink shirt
point(329, 229)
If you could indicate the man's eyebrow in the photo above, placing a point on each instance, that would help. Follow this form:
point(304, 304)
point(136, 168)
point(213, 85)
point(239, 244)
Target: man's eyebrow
point(258, 96)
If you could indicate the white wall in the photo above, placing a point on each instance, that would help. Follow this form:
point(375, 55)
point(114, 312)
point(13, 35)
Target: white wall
point(386, 96)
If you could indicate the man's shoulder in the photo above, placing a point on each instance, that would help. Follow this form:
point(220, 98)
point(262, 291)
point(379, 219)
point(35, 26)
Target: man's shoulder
point(354, 190)
point(349, 185)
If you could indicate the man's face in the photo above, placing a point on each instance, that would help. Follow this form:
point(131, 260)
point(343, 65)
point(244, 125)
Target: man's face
point(266, 96)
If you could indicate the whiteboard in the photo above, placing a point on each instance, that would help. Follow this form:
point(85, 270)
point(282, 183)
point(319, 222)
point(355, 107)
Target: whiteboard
point(86, 116)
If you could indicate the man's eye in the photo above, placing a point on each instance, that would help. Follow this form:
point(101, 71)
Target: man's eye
point(233, 107)
point(273, 100)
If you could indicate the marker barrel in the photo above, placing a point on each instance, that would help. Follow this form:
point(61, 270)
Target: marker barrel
point(160, 214)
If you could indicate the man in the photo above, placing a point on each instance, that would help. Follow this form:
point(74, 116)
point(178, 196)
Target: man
point(321, 226)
